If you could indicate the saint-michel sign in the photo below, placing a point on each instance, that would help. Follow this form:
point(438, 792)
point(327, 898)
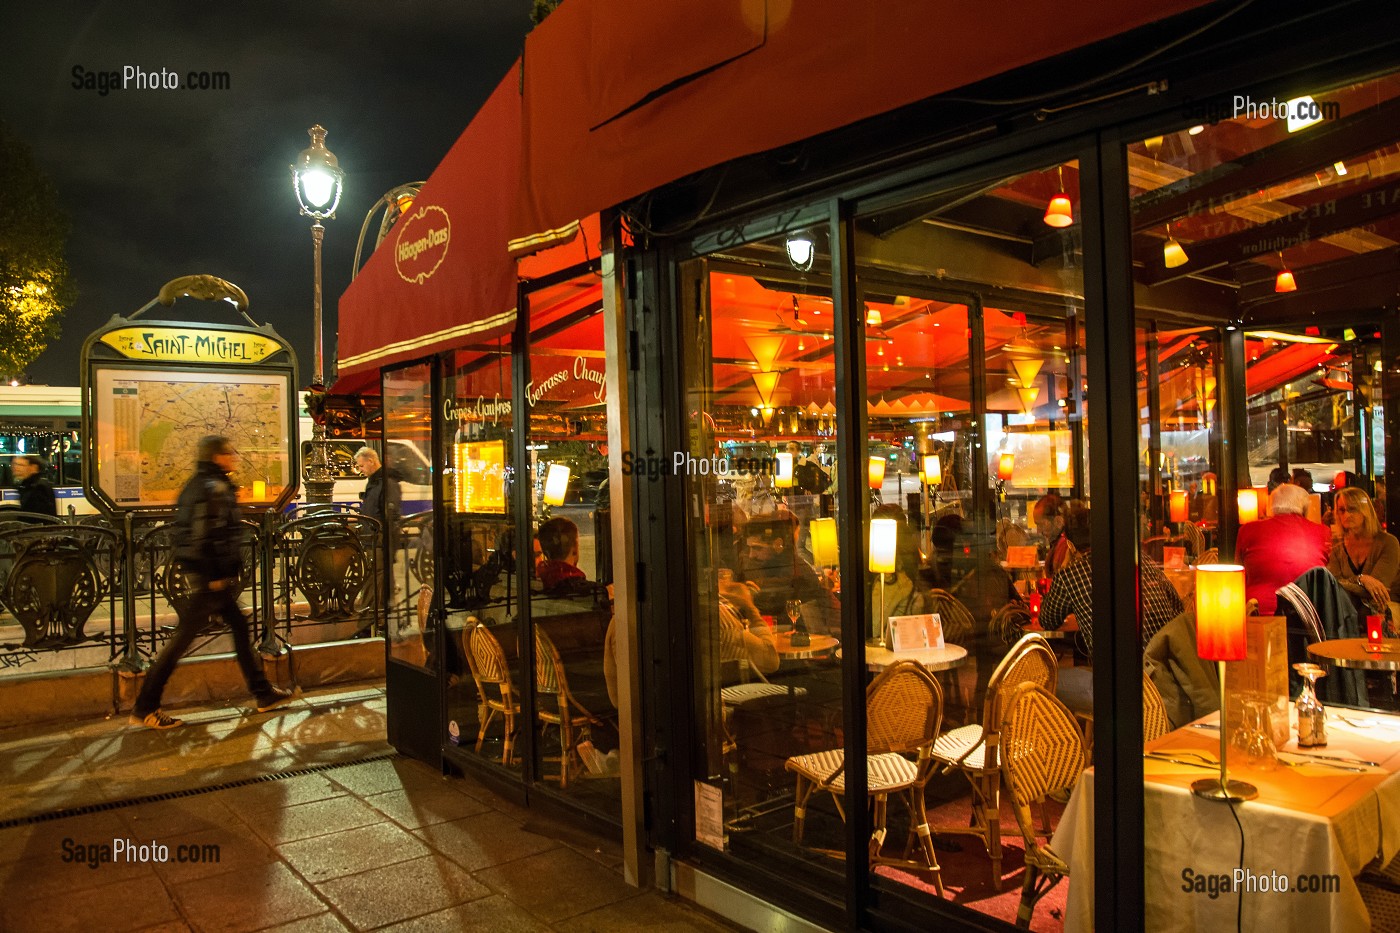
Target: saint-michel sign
point(184, 344)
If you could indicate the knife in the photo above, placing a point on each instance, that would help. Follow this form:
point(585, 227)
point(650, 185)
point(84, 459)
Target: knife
point(1180, 761)
point(1345, 761)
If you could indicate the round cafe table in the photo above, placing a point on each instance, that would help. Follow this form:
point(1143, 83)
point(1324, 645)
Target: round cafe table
point(821, 645)
point(935, 659)
point(1356, 654)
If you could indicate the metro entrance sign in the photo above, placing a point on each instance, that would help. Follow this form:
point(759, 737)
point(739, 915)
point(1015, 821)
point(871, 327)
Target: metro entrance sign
point(152, 389)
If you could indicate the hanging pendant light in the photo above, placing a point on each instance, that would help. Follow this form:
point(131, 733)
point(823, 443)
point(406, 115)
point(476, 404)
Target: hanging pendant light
point(1172, 253)
point(1284, 281)
point(1059, 213)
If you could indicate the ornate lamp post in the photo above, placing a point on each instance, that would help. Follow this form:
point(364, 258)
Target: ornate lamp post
point(316, 179)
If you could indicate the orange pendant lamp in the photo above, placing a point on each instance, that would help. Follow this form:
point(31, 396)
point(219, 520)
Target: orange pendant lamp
point(1059, 213)
point(1284, 281)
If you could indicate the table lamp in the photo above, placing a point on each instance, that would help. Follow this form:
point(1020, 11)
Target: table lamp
point(883, 532)
point(824, 548)
point(783, 478)
point(556, 484)
point(1220, 637)
point(1006, 465)
point(259, 490)
point(876, 472)
point(1248, 500)
point(1179, 507)
point(933, 470)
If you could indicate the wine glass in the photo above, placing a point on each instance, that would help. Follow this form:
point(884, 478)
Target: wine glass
point(800, 638)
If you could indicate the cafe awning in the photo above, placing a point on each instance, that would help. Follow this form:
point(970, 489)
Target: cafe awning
point(623, 96)
point(443, 277)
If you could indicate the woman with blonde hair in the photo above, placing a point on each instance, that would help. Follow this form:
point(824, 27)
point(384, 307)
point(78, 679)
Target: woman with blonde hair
point(1366, 559)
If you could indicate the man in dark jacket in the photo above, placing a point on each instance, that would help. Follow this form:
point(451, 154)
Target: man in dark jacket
point(208, 551)
point(383, 499)
point(35, 491)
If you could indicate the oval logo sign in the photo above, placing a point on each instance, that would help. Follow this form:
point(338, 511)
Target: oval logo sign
point(422, 243)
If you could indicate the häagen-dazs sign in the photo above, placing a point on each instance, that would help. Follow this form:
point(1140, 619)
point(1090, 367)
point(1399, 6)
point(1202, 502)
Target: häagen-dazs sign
point(421, 245)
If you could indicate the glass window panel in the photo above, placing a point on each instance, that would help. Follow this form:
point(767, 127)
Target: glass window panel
point(477, 563)
point(575, 724)
point(973, 356)
point(760, 474)
point(407, 468)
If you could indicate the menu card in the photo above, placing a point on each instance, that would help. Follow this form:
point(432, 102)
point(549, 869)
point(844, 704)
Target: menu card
point(1022, 557)
point(913, 633)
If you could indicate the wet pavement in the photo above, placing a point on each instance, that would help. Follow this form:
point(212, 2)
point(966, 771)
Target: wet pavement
point(365, 840)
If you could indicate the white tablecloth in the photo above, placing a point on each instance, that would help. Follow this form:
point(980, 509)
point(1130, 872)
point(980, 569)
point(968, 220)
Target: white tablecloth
point(1301, 823)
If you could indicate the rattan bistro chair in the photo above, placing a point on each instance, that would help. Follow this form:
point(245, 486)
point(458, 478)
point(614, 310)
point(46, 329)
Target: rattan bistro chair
point(1042, 754)
point(975, 749)
point(569, 714)
point(904, 709)
point(1155, 723)
point(495, 692)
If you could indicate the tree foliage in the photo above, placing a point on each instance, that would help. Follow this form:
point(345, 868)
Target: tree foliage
point(35, 288)
point(542, 8)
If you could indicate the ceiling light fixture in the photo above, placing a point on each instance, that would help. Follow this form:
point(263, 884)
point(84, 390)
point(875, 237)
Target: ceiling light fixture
point(1284, 281)
point(1172, 253)
point(801, 251)
point(1340, 168)
point(1303, 112)
point(1196, 130)
point(1059, 213)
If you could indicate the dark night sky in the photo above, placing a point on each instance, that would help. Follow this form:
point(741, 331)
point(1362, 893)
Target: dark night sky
point(159, 184)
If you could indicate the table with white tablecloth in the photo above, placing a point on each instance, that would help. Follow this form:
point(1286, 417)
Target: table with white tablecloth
point(1316, 820)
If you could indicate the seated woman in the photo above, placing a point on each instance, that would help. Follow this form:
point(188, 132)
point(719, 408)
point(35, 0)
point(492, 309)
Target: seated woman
point(744, 636)
point(1276, 550)
point(1366, 560)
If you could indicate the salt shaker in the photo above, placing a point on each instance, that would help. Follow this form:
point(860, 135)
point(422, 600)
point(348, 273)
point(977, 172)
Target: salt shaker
point(1312, 715)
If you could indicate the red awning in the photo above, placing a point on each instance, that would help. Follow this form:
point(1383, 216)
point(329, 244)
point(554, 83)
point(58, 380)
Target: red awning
point(443, 277)
point(623, 96)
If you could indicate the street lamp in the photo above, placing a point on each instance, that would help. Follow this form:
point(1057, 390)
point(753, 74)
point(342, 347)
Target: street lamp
point(316, 179)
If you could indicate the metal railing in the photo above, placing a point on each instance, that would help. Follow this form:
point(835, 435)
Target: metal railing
point(87, 592)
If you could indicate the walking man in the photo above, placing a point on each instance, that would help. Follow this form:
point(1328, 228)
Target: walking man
point(208, 550)
point(35, 491)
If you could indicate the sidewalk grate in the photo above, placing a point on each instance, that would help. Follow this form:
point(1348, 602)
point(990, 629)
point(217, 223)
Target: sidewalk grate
point(192, 792)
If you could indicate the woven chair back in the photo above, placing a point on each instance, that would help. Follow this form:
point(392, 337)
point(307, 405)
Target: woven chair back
point(1030, 660)
point(1009, 622)
point(1209, 556)
point(1042, 750)
point(1195, 541)
point(549, 668)
point(1154, 711)
point(485, 656)
point(903, 709)
point(957, 622)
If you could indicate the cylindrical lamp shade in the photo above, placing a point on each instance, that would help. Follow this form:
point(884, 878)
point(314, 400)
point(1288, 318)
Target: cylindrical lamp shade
point(1248, 501)
point(259, 490)
point(783, 480)
point(1220, 612)
point(825, 552)
point(1179, 508)
point(933, 470)
point(1315, 507)
point(1062, 462)
point(1208, 484)
point(876, 474)
point(1262, 494)
point(883, 532)
point(556, 484)
point(1005, 464)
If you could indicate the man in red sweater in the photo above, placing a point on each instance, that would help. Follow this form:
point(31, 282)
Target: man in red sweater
point(1277, 550)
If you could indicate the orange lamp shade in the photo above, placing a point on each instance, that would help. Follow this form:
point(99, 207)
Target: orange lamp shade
point(933, 470)
point(1315, 508)
point(1006, 463)
point(259, 490)
point(1059, 213)
point(1262, 492)
point(1179, 506)
point(1284, 282)
point(783, 480)
point(556, 484)
point(1339, 481)
point(1220, 612)
point(1208, 484)
point(825, 552)
point(1248, 501)
point(876, 472)
point(882, 540)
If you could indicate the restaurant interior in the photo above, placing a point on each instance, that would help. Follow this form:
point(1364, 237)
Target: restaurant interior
point(1264, 273)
